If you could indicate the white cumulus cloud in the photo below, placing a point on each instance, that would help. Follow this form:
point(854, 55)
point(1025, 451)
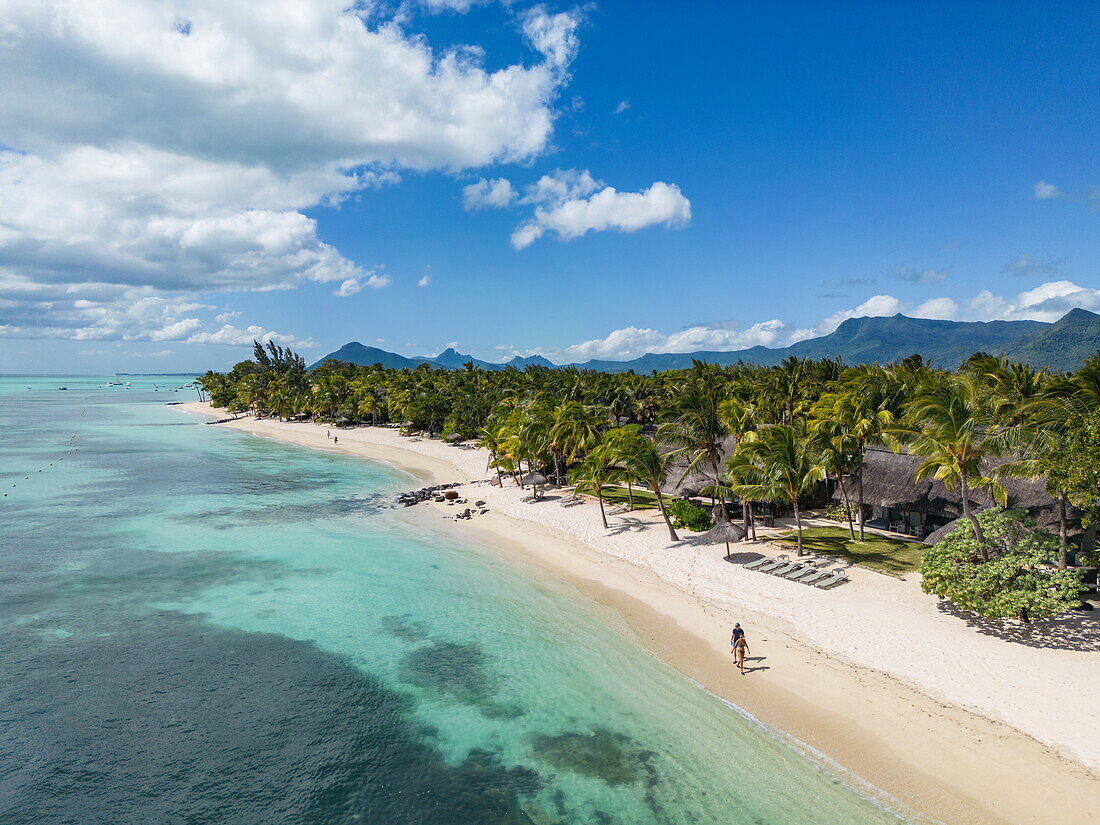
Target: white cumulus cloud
point(496, 193)
point(571, 203)
point(941, 309)
point(172, 147)
point(631, 342)
point(1046, 302)
point(1044, 191)
point(353, 285)
point(552, 35)
point(237, 337)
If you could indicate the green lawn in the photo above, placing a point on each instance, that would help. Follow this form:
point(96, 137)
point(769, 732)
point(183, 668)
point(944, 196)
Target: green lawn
point(886, 555)
point(643, 499)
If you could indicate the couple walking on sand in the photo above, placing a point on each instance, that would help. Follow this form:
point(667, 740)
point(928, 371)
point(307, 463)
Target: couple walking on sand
point(740, 647)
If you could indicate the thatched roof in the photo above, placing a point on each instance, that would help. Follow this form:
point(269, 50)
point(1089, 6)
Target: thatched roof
point(677, 484)
point(889, 480)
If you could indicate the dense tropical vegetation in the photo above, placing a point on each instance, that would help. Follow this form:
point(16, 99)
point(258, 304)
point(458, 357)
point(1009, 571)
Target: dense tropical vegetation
point(742, 434)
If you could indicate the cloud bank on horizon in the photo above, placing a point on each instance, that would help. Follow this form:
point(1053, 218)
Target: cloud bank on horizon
point(1047, 302)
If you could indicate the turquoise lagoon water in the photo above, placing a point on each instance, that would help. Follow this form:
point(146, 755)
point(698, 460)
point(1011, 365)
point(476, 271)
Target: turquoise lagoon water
point(200, 626)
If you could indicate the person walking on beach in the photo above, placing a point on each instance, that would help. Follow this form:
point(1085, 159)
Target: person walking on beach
point(736, 634)
point(328, 433)
point(740, 648)
point(336, 439)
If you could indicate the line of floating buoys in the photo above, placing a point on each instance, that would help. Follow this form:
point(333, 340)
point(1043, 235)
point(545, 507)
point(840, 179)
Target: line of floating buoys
point(72, 438)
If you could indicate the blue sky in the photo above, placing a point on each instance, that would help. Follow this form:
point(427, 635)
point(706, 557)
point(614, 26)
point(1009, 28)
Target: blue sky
point(179, 178)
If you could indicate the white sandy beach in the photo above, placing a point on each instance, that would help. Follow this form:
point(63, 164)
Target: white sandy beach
point(958, 722)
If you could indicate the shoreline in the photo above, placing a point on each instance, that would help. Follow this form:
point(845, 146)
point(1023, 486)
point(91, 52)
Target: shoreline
point(919, 746)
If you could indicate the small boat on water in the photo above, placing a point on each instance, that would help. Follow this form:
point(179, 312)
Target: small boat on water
point(62, 388)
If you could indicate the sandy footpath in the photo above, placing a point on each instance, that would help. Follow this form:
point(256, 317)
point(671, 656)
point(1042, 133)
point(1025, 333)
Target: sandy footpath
point(958, 723)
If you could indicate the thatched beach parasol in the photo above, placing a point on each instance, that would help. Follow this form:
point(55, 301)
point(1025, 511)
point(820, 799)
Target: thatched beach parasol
point(723, 533)
point(534, 480)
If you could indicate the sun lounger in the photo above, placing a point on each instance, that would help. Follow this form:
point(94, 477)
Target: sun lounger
point(832, 581)
point(618, 511)
point(796, 575)
point(572, 502)
point(760, 562)
point(770, 565)
point(783, 569)
point(814, 577)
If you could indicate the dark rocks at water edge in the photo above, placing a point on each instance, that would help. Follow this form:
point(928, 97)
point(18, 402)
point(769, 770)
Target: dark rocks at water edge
point(425, 494)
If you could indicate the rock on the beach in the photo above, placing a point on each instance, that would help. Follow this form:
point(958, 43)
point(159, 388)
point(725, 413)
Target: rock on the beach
point(426, 494)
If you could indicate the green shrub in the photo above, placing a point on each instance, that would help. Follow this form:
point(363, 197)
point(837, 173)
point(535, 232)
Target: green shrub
point(686, 515)
point(837, 512)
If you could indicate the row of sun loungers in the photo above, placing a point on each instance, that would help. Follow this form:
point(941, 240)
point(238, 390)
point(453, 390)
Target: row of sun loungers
point(803, 572)
point(572, 501)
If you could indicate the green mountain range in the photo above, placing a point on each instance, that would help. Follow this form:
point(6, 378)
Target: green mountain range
point(1061, 346)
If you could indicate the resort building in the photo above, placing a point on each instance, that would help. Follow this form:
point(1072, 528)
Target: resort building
point(894, 500)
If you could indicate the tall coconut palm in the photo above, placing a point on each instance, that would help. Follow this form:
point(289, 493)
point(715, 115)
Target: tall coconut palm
point(648, 466)
point(738, 416)
point(788, 389)
point(618, 442)
point(1042, 448)
point(780, 464)
point(838, 458)
point(695, 429)
point(950, 426)
point(596, 472)
point(854, 416)
point(573, 430)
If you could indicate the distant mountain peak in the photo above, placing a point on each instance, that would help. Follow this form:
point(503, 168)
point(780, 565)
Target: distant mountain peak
point(521, 361)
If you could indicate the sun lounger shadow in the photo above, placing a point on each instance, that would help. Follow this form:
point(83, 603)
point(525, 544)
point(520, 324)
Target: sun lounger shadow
point(627, 525)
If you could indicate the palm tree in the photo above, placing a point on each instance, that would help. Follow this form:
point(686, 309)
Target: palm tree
point(573, 430)
point(780, 464)
point(950, 426)
point(618, 443)
point(738, 416)
point(838, 459)
point(696, 430)
point(646, 465)
point(855, 416)
point(597, 471)
point(1042, 446)
point(788, 388)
